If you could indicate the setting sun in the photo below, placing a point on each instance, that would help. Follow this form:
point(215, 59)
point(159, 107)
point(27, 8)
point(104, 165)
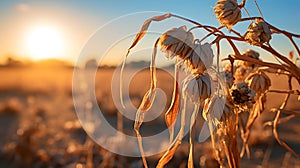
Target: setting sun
point(44, 42)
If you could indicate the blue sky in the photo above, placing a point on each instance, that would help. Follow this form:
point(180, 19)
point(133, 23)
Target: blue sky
point(78, 20)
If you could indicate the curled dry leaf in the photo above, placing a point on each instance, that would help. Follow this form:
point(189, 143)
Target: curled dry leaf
point(147, 100)
point(192, 127)
point(258, 107)
point(146, 104)
point(145, 27)
point(138, 37)
point(171, 114)
point(168, 155)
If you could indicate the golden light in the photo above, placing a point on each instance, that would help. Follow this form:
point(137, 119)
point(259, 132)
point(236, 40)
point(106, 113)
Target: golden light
point(44, 42)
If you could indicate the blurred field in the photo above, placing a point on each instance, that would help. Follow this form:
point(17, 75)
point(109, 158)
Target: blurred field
point(39, 127)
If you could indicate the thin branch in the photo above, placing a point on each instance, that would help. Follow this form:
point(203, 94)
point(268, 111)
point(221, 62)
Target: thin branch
point(273, 70)
point(276, 121)
point(282, 120)
point(281, 57)
point(295, 92)
point(260, 13)
point(243, 3)
point(283, 31)
point(237, 33)
point(294, 44)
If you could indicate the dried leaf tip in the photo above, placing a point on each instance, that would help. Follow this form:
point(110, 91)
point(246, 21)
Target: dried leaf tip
point(145, 27)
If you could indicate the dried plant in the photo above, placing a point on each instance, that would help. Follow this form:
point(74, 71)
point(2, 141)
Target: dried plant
point(247, 81)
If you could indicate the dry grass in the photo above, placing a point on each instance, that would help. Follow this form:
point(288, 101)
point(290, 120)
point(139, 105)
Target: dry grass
point(38, 118)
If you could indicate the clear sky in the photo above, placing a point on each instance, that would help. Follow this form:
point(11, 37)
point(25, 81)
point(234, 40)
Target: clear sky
point(74, 21)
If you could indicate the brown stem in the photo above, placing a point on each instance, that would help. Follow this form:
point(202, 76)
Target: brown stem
point(260, 13)
point(292, 67)
point(289, 112)
point(273, 70)
point(277, 119)
point(294, 44)
point(283, 31)
point(237, 33)
point(294, 72)
point(196, 23)
point(295, 92)
point(281, 57)
point(243, 3)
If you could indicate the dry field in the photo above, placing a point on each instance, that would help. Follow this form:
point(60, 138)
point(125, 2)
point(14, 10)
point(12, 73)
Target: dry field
point(39, 127)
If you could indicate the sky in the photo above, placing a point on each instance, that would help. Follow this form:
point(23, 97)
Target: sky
point(71, 25)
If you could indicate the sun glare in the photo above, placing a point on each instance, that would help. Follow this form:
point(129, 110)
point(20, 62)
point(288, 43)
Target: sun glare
point(44, 42)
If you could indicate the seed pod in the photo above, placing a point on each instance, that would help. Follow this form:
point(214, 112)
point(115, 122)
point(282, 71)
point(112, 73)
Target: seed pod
point(228, 67)
point(258, 33)
point(241, 73)
point(242, 95)
point(197, 88)
point(215, 107)
point(258, 81)
point(251, 54)
point(228, 12)
point(177, 42)
point(200, 59)
point(228, 78)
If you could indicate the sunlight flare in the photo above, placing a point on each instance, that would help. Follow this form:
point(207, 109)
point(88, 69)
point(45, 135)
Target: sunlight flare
point(44, 42)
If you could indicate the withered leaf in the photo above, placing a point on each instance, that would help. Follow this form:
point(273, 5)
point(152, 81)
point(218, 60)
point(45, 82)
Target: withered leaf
point(147, 100)
point(168, 155)
point(192, 127)
point(145, 27)
point(172, 113)
point(172, 149)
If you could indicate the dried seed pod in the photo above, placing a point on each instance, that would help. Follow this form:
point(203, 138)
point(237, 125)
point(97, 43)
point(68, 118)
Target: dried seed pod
point(228, 67)
point(227, 74)
point(251, 54)
point(177, 42)
point(258, 81)
point(228, 12)
point(241, 73)
point(215, 107)
point(197, 87)
point(258, 33)
point(228, 78)
point(200, 59)
point(242, 94)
